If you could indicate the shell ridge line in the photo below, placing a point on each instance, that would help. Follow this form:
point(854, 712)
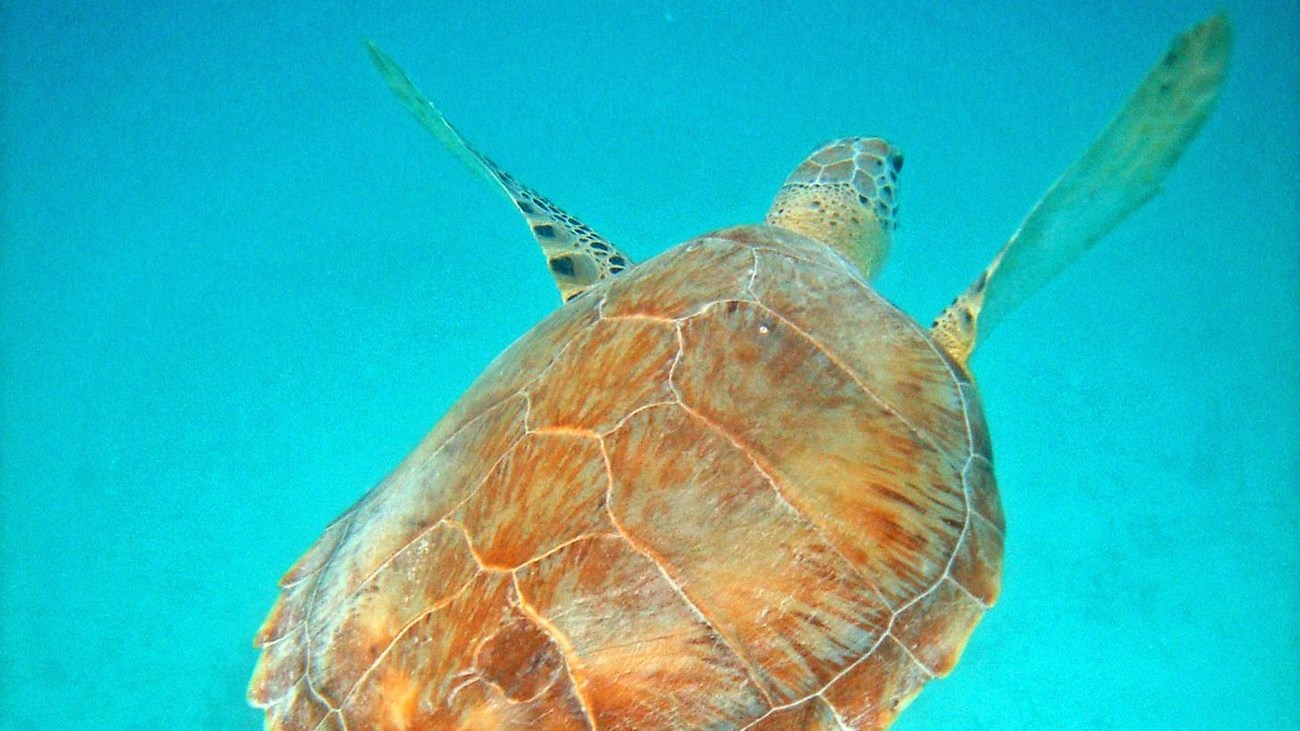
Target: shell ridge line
point(970, 446)
point(672, 369)
point(835, 712)
point(305, 622)
point(947, 363)
point(563, 349)
point(643, 407)
point(987, 520)
point(965, 533)
point(637, 316)
point(580, 432)
point(834, 678)
point(727, 642)
point(271, 643)
point(970, 455)
point(490, 567)
point(786, 254)
point(753, 274)
point(781, 498)
point(984, 606)
point(912, 602)
point(565, 646)
point(923, 434)
point(434, 524)
point(915, 660)
point(310, 611)
point(423, 613)
point(469, 544)
point(424, 463)
point(343, 722)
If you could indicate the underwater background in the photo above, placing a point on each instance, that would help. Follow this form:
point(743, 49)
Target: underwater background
point(239, 283)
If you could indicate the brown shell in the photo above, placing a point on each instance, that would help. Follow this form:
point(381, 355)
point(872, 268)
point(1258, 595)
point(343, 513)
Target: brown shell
point(733, 488)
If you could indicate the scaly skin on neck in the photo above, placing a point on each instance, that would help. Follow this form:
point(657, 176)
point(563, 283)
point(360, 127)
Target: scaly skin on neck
point(844, 195)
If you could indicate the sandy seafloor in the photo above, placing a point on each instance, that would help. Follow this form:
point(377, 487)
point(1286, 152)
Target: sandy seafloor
point(239, 283)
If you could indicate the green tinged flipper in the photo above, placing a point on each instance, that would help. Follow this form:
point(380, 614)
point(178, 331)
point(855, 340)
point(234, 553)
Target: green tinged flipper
point(578, 257)
point(1120, 171)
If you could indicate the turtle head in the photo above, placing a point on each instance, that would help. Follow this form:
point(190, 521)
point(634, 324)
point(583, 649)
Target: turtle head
point(844, 195)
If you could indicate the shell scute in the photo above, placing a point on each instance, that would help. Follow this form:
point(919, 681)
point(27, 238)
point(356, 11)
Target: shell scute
point(814, 714)
point(425, 488)
point(670, 286)
point(519, 365)
point(977, 563)
point(695, 494)
point(549, 490)
point(983, 491)
point(883, 349)
point(788, 602)
point(871, 694)
point(610, 370)
point(935, 627)
point(876, 489)
point(637, 652)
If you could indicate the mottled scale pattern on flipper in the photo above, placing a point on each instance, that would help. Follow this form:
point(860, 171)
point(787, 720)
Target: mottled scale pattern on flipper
point(577, 256)
point(598, 537)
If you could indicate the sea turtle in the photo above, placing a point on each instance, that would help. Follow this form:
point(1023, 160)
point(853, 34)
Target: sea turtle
point(730, 487)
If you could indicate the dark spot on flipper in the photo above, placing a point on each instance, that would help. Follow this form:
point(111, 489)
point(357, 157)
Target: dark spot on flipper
point(896, 162)
point(617, 261)
point(600, 246)
point(525, 208)
point(562, 265)
point(544, 230)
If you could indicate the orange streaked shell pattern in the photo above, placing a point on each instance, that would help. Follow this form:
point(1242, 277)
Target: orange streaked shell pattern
point(733, 488)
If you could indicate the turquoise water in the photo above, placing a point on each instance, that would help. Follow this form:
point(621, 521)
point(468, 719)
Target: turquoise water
point(239, 283)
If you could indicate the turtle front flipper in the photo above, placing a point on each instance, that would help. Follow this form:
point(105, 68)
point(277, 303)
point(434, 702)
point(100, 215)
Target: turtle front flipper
point(1121, 171)
point(578, 257)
